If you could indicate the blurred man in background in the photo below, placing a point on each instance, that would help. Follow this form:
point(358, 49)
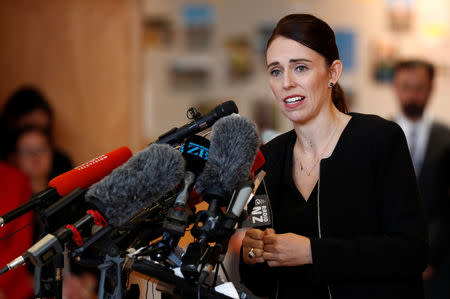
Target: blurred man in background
point(429, 144)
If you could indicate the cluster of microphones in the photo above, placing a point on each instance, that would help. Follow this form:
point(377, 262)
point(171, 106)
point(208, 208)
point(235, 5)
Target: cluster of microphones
point(141, 205)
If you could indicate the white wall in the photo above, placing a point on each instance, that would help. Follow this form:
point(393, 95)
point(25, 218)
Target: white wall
point(165, 107)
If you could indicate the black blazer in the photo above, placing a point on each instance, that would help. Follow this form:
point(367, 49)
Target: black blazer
point(434, 187)
point(373, 237)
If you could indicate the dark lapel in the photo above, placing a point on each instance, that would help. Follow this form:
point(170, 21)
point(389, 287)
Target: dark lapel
point(436, 143)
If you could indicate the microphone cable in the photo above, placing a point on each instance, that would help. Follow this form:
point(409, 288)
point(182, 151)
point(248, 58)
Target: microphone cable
point(18, 230)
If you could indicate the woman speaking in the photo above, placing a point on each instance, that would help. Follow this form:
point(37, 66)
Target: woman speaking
point(347, 216)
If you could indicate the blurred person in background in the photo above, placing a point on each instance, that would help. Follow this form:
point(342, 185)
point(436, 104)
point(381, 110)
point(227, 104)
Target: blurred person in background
point(264, 117)
point(26, 107)
point(429, 145)
point(26, 124)
point(31, 151)
point(15, 190)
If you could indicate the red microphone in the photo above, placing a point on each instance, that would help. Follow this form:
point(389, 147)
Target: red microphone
point(259, 162)
point(80, 177)
point(90, 172)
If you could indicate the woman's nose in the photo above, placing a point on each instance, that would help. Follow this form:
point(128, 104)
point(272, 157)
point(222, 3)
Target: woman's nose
point(288, 80)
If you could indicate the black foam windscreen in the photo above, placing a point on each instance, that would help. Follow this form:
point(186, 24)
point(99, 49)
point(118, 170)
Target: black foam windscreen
point(195, 151)
point(144, 178)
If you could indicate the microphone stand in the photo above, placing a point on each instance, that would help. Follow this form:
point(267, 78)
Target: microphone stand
point(48, 278)
point(107, 259)
point(171, 284)
point(210, 226)
point(204, 231)
point(222, 230)
point(114, 262)
point(217, 253)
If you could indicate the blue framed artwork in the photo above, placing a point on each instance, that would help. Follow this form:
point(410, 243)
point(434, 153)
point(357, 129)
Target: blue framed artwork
point(198, 20)
point(345, 40)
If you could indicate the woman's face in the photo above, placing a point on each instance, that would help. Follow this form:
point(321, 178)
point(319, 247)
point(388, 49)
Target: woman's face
point(34, 156)
point(299, 79)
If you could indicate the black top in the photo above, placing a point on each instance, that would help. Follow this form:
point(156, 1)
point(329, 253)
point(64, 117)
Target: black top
point(372, 242)
point(299, 217)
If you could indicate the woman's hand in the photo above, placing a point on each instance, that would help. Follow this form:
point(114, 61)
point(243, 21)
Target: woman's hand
point(253, 239)
point(428, 273)
point(286, 249)
point(79, 287)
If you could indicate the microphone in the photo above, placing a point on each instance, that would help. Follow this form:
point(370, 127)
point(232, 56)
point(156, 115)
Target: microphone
point(177, 135)
point(145, 177)
point(226, 228)
point(239, 200)
point(234, 145)
point(259, 162)
point(234, 213)
point(195, 152)
point(168, 216)
point(50, 245)
point(81, 176)
point(259, 213)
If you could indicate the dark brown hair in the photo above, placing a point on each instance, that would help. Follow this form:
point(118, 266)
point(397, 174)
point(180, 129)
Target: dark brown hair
point(415, 63)
point(315, 34)
point(20, 103)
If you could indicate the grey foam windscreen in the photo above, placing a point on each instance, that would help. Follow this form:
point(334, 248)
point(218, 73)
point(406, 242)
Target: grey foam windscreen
point(144, 178)
point(233, 147)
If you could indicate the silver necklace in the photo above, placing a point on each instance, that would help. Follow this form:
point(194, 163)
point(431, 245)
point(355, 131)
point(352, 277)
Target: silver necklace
point(308, 172)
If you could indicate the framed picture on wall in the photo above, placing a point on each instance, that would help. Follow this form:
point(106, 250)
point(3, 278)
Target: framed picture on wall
point(189, 73)
point(345, 40)
point(383, 53)
point(157, 31)
point(400, 14)
point(239, 58)
point(198, 21)
point(264, 31)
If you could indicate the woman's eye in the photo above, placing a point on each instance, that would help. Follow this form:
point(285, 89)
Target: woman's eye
point(275, 72)
point(300, 68)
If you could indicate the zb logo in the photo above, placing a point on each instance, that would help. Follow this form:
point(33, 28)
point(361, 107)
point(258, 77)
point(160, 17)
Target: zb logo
point(196, 150)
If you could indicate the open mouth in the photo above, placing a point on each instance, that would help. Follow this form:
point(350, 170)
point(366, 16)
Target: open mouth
point(293, 100)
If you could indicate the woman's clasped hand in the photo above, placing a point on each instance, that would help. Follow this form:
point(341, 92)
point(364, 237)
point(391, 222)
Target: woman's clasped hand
point(276, 249)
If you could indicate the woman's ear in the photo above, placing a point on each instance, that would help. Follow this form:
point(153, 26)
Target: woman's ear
point(335, 71)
